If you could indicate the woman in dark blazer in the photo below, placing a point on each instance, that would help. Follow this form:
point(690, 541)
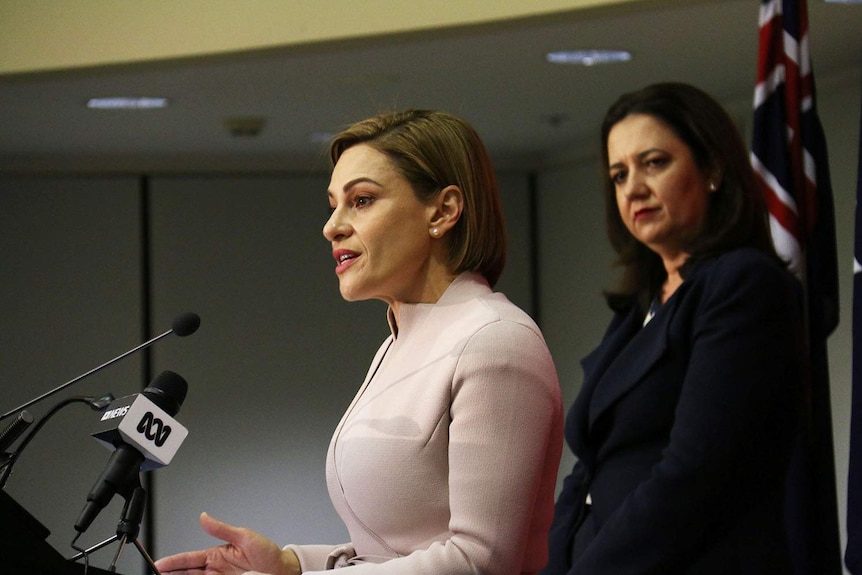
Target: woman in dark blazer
point(684, 425)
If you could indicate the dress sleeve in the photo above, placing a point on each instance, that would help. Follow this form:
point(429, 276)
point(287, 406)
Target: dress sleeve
point(505, 445)
point(733, 428)
point(322, 557)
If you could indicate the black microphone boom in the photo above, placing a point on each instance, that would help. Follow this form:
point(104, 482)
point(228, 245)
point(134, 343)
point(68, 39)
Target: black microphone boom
point(184, 324)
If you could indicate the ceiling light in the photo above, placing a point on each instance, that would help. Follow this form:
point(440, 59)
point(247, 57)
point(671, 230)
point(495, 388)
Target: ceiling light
point(588, 57)
point(124, 103)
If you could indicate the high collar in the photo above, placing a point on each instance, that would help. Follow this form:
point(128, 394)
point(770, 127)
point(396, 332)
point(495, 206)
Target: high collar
point(465, 286)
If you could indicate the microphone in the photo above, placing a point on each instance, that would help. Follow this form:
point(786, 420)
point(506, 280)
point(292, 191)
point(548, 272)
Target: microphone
point(183, 325)
point(144, 435)
point(146, 422)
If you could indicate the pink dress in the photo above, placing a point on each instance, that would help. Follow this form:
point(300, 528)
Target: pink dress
point(446, 461)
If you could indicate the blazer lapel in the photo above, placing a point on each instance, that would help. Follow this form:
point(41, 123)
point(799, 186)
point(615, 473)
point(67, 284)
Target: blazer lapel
point(631, 357)
point(594, 365)
point(596, 362)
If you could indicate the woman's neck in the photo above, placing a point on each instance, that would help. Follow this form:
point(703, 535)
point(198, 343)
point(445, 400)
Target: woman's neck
point(674, 278)
point(669, 286)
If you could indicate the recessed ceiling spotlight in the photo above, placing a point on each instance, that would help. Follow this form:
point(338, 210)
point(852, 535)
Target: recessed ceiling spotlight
point(126, 103)
point(588, 57)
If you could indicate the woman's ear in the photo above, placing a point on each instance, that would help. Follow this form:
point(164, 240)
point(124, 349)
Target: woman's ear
point(447, 209)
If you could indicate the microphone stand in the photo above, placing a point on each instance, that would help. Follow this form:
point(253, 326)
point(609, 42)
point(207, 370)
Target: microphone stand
point(128, 528)
point(9, 460)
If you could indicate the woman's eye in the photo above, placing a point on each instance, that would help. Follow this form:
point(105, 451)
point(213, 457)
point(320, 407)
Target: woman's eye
point(361, 201)
point(618, 177)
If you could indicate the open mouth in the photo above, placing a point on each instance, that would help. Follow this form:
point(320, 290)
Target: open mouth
point(344, 259)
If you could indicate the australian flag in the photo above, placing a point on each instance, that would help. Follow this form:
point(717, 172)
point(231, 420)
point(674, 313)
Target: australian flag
point(789, 156)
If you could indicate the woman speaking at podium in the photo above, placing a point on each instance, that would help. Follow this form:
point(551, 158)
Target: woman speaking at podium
point(445, 461)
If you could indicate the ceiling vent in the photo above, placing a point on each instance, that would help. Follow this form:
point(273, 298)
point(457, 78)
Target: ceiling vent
point(245, 127)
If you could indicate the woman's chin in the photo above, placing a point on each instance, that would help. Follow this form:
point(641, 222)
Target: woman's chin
point(349, 292)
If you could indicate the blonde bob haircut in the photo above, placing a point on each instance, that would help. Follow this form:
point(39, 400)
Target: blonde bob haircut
point(433, 150)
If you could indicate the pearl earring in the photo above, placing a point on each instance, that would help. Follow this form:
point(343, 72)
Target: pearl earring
point(435, 232)
point(712, 187)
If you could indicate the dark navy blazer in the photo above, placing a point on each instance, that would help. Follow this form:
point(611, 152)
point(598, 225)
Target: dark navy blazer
point(683, 430)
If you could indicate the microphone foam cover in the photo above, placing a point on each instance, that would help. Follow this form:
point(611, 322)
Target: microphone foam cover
point(186, 324)
point(168, 391)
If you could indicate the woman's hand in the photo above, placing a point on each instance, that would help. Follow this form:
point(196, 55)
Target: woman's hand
point(244, 550)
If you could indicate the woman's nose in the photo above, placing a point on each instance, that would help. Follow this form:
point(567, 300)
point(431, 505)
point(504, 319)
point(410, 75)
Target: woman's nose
point(635, 187)
point(335, 227)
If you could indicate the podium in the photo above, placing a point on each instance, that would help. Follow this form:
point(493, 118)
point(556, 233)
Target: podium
point(24, 547)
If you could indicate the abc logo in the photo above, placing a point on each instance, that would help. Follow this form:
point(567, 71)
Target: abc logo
point(154, 429)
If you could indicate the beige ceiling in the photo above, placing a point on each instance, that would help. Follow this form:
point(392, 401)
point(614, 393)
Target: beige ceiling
point(312, 71)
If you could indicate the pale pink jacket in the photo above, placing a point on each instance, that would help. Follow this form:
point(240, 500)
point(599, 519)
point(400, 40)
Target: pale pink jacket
point(445, 463)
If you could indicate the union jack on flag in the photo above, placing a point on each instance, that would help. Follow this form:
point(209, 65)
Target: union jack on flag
point(789, 156)
point(788, 146)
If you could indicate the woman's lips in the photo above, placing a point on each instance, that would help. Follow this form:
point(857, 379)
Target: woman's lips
point(344, 259)
point(644, 213)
